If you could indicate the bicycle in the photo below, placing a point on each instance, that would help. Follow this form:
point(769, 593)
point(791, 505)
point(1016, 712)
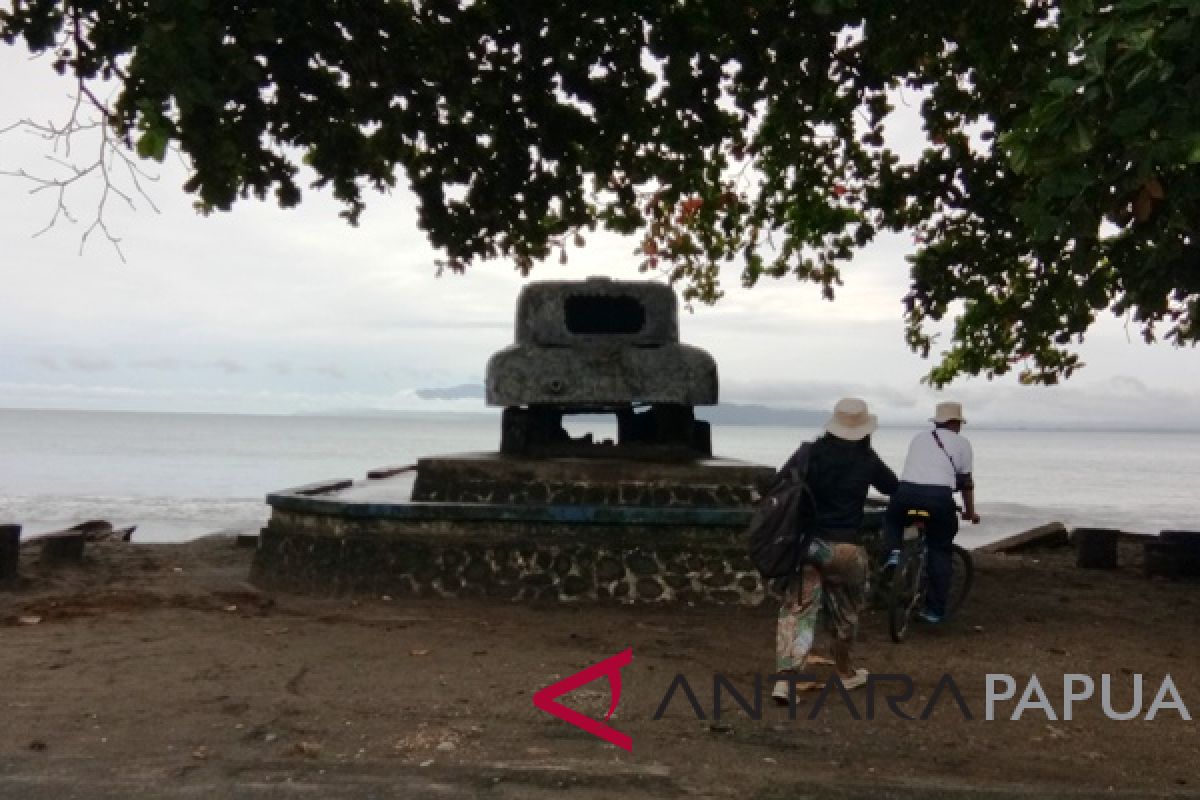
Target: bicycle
point(910, 580)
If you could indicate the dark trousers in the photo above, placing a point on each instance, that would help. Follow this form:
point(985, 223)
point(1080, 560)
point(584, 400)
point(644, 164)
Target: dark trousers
point(940, 531)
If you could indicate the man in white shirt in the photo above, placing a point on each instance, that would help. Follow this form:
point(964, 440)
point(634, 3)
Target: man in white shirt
point(939, 463)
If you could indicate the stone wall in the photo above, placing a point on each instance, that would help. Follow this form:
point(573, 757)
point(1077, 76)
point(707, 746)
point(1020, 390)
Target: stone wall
point(506, 560)
point(513, 571)
point(518, 561)
point(516, 492)
point(505, 480)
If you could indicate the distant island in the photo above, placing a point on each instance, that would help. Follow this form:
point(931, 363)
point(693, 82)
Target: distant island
point(723, 414)
point(463, 391)
point(751, 414)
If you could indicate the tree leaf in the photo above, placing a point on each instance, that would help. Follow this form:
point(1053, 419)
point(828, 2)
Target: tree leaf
point(152, 144)
point(1081, 138)
point(1194, 154)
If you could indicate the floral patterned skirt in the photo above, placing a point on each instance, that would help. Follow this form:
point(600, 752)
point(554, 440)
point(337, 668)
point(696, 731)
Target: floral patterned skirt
point(833, 579)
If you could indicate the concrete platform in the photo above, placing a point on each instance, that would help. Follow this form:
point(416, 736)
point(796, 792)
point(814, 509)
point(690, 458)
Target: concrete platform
point(566, 530)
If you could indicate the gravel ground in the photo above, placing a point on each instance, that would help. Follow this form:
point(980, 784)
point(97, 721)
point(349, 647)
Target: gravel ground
point(158, 671)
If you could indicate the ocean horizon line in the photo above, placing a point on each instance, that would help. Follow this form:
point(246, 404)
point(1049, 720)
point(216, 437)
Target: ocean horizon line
point(802, 424)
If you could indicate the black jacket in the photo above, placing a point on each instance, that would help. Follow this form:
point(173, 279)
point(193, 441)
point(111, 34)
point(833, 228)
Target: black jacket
point(839, 474)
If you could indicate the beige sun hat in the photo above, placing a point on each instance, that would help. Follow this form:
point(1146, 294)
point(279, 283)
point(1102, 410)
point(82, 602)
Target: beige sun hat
point(948, 411)
point(851, 420)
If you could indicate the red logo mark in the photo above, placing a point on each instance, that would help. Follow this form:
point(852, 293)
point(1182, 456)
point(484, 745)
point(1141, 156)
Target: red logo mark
point(546, 699)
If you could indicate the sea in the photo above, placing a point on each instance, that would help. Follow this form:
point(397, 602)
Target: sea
point(178, 476)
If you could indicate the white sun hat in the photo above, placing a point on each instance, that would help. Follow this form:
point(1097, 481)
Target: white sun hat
point(948, 411)
point(851, 420)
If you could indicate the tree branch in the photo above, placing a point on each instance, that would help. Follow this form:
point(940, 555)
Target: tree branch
point(110, 163)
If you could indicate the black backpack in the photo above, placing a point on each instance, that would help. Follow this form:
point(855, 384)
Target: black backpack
point(781, 528)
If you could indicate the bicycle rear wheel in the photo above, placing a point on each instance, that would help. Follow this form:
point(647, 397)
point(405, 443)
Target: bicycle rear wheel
point(961, 580)
point(904, 594)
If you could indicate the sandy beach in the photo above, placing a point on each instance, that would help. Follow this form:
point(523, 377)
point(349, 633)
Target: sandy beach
point(159, 671)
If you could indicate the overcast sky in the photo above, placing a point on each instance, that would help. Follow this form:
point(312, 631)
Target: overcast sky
point(263, 310)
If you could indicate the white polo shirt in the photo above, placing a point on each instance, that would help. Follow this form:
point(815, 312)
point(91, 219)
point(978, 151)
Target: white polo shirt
point(927, 464)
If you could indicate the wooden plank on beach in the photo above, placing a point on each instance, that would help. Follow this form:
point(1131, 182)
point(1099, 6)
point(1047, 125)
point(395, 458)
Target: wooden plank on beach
point(324, 487)
point(98, 530)
point(389, 472)
point(66, 546)
point(1053, 534)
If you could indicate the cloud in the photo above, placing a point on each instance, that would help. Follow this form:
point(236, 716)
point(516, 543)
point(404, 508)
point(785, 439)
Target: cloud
point(1119, 401)
point(817, 395)
point(330, 371)
point(1129, 385)
point(37, 395)
point(206, 398)
point(164, 364)
point(89, 364)
point(228, 366)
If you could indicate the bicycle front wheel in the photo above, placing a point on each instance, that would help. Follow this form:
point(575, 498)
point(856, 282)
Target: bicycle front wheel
point(904, 595)
point(961, 580)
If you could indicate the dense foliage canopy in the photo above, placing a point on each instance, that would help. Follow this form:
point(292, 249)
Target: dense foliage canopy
point(1060, 175)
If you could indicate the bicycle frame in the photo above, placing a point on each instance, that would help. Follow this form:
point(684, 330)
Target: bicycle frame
point(910, 581)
